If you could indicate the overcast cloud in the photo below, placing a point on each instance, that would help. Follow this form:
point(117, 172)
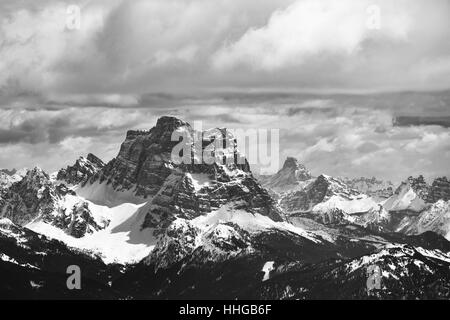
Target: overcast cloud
point(132, 47)
point(312, 68)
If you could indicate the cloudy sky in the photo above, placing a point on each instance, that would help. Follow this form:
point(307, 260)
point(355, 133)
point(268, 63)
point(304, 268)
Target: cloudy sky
point(331, 75)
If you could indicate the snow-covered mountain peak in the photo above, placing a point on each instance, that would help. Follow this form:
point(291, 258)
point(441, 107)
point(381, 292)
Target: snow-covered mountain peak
point(160, 134)
point(410, 196)
point(5, 181)
point(145, 158)
point(335, 186)
point(29, 198)
point(373, 187)
point(300, 172)
point(8, 171)
point(170, 123)
point(36, 178)
point(330, 201)
point(436, 218)
point(419, 185)
point(81, 171)
point(291, 176)
point(144, 168)
point(292, 163)
point(95, 160)
point(8, 177)
point(215, 220)
point(440, 189)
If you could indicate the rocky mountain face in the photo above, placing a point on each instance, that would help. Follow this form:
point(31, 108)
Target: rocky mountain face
point(210, 230)
point(8, 177)
point(419, 186)
point(79, 221)
point(37, 198)
point(34, 196)
point(145, 166)
point(417, 207)
point(371, 186)
point(439, 190)
point(322, 189)
point(292, 176)
point(5, 181)
point(330, 201)
point(81, 171)
point(436, 218)
point(144, 159)
point(414, 207)
point(181, 239)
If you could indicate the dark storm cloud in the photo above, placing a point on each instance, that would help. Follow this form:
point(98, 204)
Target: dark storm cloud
point(54, 126)
point(407, 121)
point(16, 136)
point(331, 111)
point(40, 130)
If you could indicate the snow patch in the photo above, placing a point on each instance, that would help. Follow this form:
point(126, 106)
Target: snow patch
point(248, 221)
point(363, 203)
point(7, 258)
point(406, 199)
point(199, 180)
point(121, 242)
point(267, 268)
point(105, 195)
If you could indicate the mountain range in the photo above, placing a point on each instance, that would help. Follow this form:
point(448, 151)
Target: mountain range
point(143, 226)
